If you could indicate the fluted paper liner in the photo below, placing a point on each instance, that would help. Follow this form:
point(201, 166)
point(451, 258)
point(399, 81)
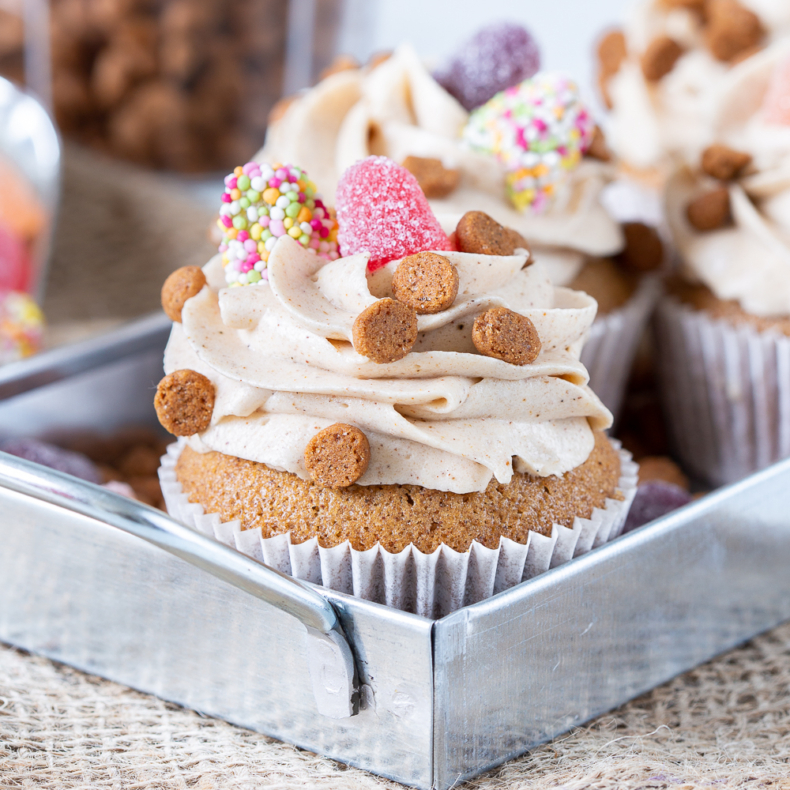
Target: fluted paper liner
point(609, 351)
point(726, 392)
point(431, 585)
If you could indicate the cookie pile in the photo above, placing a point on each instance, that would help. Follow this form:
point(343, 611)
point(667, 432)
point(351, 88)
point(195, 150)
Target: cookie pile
point(181, 84)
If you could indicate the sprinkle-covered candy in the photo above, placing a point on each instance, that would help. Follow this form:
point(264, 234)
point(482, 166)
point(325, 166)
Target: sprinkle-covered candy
point(260, 204)
point(496, 57)
point(538, 130)
point(21, 326)
point(381, 209)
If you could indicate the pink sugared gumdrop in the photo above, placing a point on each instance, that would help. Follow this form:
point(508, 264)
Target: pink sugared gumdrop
point(381, 209)
point(776, 104)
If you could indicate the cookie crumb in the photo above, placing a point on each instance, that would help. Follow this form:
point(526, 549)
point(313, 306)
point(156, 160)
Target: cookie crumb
point(710, 210)
point(644, 250)
point(337, 456)
point(184, 402)
point(598, 148)
point(435, 180)
point(723, 162)
point(660, 57)
point(427, 282)
point(731, 29)
point(478, 233)
point(182, 284)
point(385, 332)
point(506, 335)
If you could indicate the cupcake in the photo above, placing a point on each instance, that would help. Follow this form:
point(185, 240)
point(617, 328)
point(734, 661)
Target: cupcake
point(724, 331)
point(528, 154)
point(406, 422)
point(660, 75)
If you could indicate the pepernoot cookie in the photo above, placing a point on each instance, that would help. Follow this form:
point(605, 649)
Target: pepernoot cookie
point(182, 284)
point(644, 250)
point(710, 210)
point(506, 335)
point(478, 233)
point(427, 282)
point(435, 180)
point(385, 332)
point(732, 29)
point(723, 162)
point(337, 456)
point(184, 402)
point(660, 57)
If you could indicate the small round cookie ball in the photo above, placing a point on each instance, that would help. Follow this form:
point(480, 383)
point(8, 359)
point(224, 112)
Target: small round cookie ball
point(477, 232)
point(385, 332)
point(182, 284)
point(337, 456)
point(184, 402)
point(505, 335)
point(426, 282)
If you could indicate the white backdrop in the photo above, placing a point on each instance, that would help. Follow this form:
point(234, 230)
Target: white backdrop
point(566, 30)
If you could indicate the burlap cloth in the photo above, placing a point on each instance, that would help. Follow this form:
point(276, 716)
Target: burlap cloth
point(723, 725)
point(122, 230)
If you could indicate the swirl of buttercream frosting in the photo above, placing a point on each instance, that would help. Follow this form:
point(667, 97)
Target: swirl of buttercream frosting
point(397, 110)
point(748, 261)
point(444, 417)
point(652, 125)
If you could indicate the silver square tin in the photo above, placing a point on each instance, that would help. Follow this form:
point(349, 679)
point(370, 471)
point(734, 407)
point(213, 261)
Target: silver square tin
point(119, 589)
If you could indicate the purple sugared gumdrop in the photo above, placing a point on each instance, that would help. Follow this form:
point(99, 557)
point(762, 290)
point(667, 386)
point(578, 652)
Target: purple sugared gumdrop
point(54, 457)
point(496, 57)
point(653, 500)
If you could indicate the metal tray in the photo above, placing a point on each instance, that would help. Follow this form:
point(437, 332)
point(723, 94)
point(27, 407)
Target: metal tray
point(120, 590)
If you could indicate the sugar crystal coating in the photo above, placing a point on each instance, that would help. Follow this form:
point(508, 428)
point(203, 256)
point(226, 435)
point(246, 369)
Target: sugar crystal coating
point(496, 57)
point(538, 130)
point(49, 455)
point(262, 203)
point(381, 209)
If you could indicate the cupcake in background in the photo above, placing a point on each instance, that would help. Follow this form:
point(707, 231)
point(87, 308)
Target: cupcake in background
point(661, 73)
point(724, 329)
point(489, 132)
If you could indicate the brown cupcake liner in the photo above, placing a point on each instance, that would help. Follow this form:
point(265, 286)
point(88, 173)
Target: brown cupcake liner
point(609, 352)
point(431, 585)
point(725, 392)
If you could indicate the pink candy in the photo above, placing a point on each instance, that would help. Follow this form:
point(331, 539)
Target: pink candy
point(381, 209)
point(776, 104)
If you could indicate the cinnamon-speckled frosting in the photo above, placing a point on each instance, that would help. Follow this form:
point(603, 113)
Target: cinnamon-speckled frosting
point(397, 110)
point(444, 417)
point(749, 260)
point(652, 124)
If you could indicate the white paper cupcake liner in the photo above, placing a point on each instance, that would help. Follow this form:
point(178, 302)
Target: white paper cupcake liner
point(431, 585)
point(725, 391)
point(612, 344)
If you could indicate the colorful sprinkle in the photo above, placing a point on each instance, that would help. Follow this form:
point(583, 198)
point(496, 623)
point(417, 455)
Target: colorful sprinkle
point(21, 326)
point(262, 203)
point(538, 130)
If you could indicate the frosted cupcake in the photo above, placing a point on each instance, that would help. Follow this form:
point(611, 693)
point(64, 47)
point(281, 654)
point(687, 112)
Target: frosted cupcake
point(407, 423)
point(725, 330)
point(661, 74)
point(549, 190)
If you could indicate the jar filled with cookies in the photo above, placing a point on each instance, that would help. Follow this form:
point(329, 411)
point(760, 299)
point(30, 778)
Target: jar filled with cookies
point(182, 85)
